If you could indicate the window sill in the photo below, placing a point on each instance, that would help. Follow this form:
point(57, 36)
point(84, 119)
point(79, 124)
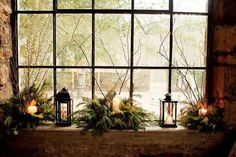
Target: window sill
point(52, 141)
point(74, 128)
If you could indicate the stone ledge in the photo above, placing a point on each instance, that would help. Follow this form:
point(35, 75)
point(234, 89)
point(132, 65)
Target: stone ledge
point(50, 141)
point(52, 127)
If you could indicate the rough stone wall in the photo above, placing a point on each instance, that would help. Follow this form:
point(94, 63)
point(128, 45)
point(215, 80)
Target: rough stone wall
point(5, 49)
point(223, 57)
point(71, 143)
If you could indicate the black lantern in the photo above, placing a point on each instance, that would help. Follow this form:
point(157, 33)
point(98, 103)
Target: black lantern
point(168, 112)
point(63, 108)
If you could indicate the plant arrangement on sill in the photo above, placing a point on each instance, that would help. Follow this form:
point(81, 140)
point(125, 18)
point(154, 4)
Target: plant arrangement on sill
point(27, 109)
point(110, 112)
point(202, 117)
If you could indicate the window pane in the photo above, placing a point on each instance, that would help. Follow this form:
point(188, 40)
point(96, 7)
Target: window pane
point(189, 42)
point(190, 5)
point(151, 85)
point(117, 79)
point(35, 39)
point(76, 81)
point(35, 5)
point(74, 4)
point(30, 76)
point(113, 4)
point(152, 4)
point(112, 40)
point(188, 86)
point(74, 39)
point(151, 37)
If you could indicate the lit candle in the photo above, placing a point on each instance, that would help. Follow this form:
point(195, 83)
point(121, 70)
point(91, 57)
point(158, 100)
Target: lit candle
point(169, 120)
point(202, 112)
point(116, 104)
point(64, 111)
point(32, 109)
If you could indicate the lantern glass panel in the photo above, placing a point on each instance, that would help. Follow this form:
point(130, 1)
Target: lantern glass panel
point(64, 111)
point(169, 113)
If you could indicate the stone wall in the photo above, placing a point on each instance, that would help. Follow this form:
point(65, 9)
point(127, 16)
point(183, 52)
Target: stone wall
point(222, 82)
point(223, 57)
point(59, 142)
point(5, 49)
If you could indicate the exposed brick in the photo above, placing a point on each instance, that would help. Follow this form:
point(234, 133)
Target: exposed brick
point(225, 40)
point(228, 59)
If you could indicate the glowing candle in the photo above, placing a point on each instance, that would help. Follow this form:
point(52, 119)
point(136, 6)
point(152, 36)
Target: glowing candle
point(32, 109)
point(64, 111)
point(202, 112)
point(116, 104)
point(169, 120)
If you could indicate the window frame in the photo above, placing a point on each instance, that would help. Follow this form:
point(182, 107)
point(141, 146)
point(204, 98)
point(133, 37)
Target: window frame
point(93, 11)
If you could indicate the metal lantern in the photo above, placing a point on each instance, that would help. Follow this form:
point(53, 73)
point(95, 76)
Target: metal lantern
point(63, 108)
point(168, 112)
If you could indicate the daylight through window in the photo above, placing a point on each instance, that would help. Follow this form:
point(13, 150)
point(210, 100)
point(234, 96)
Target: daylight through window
point(140, 48)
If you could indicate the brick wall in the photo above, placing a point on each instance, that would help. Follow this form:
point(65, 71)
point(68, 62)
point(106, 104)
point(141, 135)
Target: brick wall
point(223, 57)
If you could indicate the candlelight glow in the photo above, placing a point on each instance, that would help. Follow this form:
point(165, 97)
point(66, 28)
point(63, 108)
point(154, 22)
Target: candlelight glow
point(32, 109)
point(169, 120)
point(202, 112)
point(116, 104)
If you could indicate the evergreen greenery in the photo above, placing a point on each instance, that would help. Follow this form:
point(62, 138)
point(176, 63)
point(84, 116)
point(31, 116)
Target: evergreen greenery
point(15, 114)
point(98, 116)
point(211, 121)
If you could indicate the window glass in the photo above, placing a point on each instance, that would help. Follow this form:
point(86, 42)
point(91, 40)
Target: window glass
point(191, 5)
point(74, 4)
point(152, 4)
point(112, 79)
point(30, 76)
point(35, 39)
point(189, 49)
point(74, 38)
point(112, 45)
point(149, 87)
point(35, 5)
point(151, 36)
point(113, 4)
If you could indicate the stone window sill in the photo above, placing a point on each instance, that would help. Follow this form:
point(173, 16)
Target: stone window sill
point(52, 127)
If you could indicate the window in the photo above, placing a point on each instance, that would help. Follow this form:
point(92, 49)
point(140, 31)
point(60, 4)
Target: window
point(137, 47)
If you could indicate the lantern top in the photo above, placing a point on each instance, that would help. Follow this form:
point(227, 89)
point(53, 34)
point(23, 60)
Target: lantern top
point(63, 94)
point(167, 97)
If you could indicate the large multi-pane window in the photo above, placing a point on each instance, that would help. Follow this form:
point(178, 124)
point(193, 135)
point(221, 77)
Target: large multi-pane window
point(136, 47)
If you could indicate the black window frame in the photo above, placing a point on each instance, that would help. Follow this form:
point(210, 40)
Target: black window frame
point(93, 12)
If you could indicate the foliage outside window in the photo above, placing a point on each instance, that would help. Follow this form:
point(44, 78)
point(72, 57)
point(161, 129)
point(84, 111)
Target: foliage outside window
point(136, 47)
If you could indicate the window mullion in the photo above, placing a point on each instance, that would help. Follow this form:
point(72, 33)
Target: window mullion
point(15, 59)
point(132, 51)
point(54, 48)
point(93, 49)
point(171, 45)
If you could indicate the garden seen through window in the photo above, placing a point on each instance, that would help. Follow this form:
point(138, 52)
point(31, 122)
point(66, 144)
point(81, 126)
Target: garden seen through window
point(139, 48)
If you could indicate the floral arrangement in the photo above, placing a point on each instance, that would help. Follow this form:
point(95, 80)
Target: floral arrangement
point(27, 109)
point(203, 117)
point(103, 114)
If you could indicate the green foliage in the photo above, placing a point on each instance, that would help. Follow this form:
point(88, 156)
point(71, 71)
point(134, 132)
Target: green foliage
point(211, 121)
point(15, 110)
point(98, 116)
